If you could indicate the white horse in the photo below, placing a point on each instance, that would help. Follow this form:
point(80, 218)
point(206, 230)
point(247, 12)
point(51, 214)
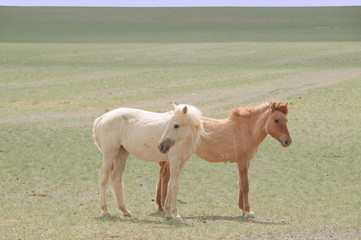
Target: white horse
point(155, 137)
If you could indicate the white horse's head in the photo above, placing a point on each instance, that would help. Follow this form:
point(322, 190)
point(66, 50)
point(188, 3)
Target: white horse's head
point(185, 126)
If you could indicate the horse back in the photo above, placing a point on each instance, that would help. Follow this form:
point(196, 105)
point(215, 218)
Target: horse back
point(136, 130)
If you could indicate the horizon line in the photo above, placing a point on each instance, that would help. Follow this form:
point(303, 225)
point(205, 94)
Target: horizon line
point(155, 6)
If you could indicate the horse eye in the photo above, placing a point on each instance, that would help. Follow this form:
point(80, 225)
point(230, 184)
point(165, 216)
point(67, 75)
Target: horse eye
point(276, 121)
point(176, 126)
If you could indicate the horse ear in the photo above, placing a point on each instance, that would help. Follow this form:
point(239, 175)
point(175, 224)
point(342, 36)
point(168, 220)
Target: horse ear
point(185, 109)
point(273, 106)
point(174, 106)
point(287, 111)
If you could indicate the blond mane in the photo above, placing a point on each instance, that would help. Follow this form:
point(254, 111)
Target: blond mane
point(193, 117)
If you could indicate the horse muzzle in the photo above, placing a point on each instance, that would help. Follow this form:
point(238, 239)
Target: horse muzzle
point(286, 141)
point(165, 145)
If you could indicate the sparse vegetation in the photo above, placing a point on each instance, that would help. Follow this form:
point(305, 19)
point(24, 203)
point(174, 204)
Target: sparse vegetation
point(55, 79)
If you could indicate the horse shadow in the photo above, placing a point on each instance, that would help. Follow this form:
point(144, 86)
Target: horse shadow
point(168, 223)
point(205, 218)
point(157, 223)
point(240, 219)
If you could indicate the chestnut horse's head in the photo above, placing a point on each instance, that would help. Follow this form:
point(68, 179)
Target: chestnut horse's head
point(276, 124)
point(184, 125)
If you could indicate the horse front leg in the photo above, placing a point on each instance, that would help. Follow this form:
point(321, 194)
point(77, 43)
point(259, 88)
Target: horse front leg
point(243, 190)
point(167, 204)
point(173, 188)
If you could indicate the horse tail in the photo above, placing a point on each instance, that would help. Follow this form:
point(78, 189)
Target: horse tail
point(95, 136)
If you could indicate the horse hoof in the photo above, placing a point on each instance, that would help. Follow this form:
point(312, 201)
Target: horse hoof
point(106, 214)
point(168, 216)
point(250, 215)
point(128, 214)
point(178, 219)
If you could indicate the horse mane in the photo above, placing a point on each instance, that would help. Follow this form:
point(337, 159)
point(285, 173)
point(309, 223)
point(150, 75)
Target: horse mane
point(194, 117)
point(248, 112)
point(279, 106)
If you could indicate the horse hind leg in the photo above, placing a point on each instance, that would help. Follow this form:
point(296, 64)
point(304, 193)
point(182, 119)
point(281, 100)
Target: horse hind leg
point(108, 159)
point(116, 180)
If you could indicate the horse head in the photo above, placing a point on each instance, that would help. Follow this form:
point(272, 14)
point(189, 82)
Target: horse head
point(276, 124)
point(185, 124)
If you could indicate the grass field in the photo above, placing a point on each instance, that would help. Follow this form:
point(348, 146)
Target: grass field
point(58, 73)
point(179, 25)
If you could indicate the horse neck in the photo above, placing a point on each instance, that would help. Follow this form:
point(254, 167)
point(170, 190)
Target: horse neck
point(194, 138)
point(189, 145)
point(255, 123)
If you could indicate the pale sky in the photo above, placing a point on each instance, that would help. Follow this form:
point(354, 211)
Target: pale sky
point(170, 3)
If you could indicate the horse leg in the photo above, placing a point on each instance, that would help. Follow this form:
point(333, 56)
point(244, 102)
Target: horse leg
point(167, 204)
point(240, 197)
point(159, 188)
point(162, 185)
point(165, 181)
point(108, 160)
point(244, 189)
point(171, 200)
point(158, 199)
point(116, 180)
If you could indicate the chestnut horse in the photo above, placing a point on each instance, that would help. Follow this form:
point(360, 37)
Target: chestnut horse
point(170, 136)
point(236, 140)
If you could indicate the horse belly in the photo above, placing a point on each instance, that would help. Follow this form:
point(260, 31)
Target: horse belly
point(220, 157)
point(143, 145)
point(215, 154)
point(145, 152)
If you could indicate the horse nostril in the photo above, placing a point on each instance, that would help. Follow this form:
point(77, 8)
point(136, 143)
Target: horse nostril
point(286, 142)
point(165, 145)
